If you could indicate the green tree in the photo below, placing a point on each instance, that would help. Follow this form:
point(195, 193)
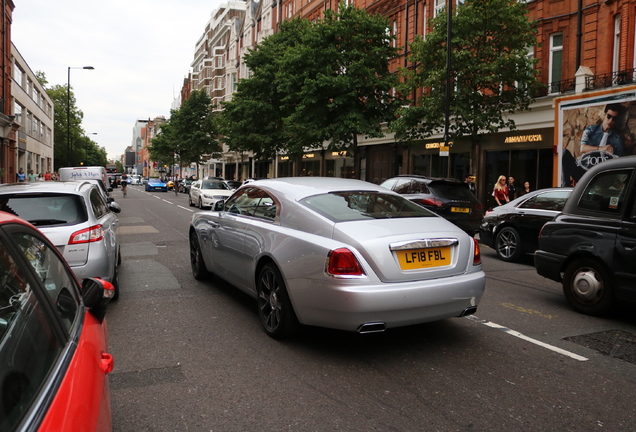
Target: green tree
point(59, 96)
point(491, 73)
point(190, 134)
point(312, 83)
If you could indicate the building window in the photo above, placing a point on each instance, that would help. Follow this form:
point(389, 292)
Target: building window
point(617, 44)
point(439, 5)
point(556, 57)
point(17, 111)
point(18, 74)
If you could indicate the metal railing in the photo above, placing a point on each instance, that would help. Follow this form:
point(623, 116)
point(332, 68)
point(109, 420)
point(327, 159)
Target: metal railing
point(626, 76)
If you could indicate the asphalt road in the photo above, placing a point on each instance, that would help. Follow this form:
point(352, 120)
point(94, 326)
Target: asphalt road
point(191, 356)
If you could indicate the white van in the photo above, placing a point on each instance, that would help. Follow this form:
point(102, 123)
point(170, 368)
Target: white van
point(91, 173)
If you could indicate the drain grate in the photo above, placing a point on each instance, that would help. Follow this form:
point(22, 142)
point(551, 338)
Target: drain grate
point(618, 344)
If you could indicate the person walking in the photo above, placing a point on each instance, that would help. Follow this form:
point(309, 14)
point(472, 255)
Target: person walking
point(525, 189)
point(500, 191)
point(20, 176)
point(512, 189)
point(31, 176)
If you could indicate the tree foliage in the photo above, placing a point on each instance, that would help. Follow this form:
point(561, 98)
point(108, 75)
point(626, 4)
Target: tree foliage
point(313, 83)
point(491, 72)
point(189, 135)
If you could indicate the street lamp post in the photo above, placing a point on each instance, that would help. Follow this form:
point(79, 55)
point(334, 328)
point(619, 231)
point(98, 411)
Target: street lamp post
point(86, 138)
point(68, 111)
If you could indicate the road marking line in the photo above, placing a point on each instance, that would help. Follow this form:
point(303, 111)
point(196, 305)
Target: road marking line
point(185, 208)
point(166, 201)
point(526, 338)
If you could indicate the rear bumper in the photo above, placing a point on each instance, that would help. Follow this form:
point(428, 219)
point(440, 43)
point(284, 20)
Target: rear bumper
point(549, 264)
point(348, 307)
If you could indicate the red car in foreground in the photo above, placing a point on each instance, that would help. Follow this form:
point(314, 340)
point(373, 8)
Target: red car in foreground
point(53, 338)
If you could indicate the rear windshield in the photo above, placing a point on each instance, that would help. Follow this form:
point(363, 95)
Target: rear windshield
point(363, 205)
point(46, 209)
point(451, 190)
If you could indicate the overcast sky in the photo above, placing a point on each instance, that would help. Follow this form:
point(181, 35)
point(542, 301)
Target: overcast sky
point(141, 51)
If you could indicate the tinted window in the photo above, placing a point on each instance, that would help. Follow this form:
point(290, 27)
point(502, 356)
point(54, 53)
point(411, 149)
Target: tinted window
point(451, 190)
point(553, 200)
point(606, 192)
point(46, 209)
point(402, 186)
point(361, 205)
point(29, 347)
point(98, 204)
point(212, 184)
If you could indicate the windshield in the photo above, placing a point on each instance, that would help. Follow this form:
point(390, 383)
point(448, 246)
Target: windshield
point(362, 205)
point(213, 184)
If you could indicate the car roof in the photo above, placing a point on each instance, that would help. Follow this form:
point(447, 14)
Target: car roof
point(297, 188)
point(72, 186)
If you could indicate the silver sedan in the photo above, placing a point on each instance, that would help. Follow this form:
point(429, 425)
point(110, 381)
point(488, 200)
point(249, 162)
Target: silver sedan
point(337, 253)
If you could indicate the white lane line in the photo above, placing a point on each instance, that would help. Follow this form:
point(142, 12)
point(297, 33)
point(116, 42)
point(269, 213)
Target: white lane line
point(166, 201)
point(155, 196)
point(185, 208)
point(526, 338)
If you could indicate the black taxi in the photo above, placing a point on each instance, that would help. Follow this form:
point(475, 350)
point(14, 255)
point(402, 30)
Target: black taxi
point(591, 245)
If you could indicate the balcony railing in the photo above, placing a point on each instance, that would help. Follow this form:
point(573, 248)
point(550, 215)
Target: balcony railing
point(557, 87)
point(626, 76)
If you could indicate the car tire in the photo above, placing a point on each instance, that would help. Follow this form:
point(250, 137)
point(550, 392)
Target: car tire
point(274, 306)
point(588, 287)
point(197, 264)
point(508, 245)
point(190, 203)
point(115, 282)
point(200, 203)
point(118, 256)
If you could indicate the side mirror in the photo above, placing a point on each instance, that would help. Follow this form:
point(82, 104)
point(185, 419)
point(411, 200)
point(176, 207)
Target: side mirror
point(96, 293)
point(110, 189)
point(219, 206)
point(114, 207)
point(110, 200)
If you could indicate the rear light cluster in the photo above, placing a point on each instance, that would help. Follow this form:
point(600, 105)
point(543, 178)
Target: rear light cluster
point(431, 202)
point(87, 235)
point(342, 262)
point(476, 253)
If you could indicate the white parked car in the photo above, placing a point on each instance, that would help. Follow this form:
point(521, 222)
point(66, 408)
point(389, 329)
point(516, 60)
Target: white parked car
point(204, 193)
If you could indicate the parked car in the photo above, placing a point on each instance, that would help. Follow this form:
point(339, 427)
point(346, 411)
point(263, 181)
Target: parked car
point(591, 246)
point(76, 218)
point(338, 253)
point(154, 184)
point(53, 340)
point(135, 179)
point(513, 228)
point(184, 186)
point(449, 198)
point(204, 193)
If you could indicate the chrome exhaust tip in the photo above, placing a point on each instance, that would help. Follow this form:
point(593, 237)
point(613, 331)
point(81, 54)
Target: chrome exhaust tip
point(373, 327)
point(469, 311)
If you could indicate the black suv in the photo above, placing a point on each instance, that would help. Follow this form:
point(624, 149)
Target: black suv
point(591, 246)
point(449, 198)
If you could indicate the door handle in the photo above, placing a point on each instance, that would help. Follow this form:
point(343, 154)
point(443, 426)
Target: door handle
point(628, 244)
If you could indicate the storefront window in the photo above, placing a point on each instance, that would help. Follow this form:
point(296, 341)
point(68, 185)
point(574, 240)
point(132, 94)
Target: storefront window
point(531, 165)
point(310, 168)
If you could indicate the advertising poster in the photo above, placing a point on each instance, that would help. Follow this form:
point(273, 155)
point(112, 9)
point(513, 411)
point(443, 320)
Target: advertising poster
point(592, 130)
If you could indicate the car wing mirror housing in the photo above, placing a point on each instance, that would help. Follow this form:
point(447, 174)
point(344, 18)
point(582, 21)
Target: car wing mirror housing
point(219, 205)
point(96, 293)
point(114, 207)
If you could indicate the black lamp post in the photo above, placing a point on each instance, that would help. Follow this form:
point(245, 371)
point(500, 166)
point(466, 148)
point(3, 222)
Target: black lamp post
point(68, 111)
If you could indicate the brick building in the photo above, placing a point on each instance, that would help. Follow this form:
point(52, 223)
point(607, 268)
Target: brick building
point(8, 127)
point(584, 48)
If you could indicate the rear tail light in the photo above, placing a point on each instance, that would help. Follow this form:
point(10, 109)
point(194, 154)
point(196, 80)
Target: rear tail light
point(431, 202)
point(87, 235)
point(476, 253)
point(342, 262)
